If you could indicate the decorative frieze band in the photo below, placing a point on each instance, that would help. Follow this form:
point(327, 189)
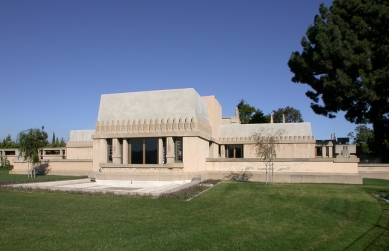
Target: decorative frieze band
point(278, 138)
point(152, 126)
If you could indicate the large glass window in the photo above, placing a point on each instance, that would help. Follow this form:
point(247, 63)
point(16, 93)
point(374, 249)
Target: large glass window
point(151, 151)
point(144, 151)
point(234, 151)
point(136, 151)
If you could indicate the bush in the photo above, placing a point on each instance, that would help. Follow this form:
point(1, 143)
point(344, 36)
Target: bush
point(241, 176)
point(212, 182)
point(43, 168)
point(5, 164)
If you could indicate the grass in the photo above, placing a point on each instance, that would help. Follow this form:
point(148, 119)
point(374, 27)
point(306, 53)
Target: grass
point(229, 216)
point(6, 178)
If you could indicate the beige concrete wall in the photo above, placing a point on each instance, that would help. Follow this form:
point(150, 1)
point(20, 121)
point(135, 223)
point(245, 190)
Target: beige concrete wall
point(85, 152)
point(290, 150)
point(196, 150)
point(214, 114)
point(297, 166)
point(58, 167)
point(294, 177)
point(374, 171)
point(99, 153)
point(42, 154)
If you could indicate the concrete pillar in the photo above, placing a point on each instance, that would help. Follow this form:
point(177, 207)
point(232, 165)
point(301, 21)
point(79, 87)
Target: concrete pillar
point(330, 150)
point(283, 118)
point(169, 150)
point(324, 151)
point(125, 151)
point(160, 151)
point(116, 151)
point(222, 151)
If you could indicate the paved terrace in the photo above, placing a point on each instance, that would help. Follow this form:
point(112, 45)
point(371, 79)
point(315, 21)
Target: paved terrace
point(154, 188)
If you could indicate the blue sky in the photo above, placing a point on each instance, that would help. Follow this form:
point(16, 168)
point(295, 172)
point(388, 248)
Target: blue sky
point(58, 57)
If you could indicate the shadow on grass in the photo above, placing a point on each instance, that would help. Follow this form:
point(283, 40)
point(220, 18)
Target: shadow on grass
point(372, 188)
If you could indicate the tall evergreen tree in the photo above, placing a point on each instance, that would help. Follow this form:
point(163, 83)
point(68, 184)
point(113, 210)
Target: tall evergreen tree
point(345, 60)
point(62, 143)
point(53, 140)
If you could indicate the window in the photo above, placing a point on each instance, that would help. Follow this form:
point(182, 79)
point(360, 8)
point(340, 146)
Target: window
point(319, 152)
point(52, 152)
point(109, 150)
point(143, 151)
point(9, 153)
point(177, 150)
point(234, 151)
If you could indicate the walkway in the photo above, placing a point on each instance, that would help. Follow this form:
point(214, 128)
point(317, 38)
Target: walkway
point(86, 185)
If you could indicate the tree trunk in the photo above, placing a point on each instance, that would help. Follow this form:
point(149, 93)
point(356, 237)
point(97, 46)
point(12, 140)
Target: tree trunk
point(380, 138)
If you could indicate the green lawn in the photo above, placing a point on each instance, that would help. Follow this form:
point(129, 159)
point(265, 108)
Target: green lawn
point(6, 178)
point(230, 216)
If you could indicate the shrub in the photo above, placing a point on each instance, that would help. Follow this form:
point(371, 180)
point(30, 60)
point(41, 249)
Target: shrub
point(5, 164)
point(241, 176)
point(43, 168)
point(213, 182)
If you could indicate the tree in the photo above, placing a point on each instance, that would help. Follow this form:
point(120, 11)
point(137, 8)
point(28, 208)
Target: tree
point(62, 143)
point(249, 114)
point(31, 141)
point(363, 138)
point(345, 61)
point(53, 140)
point(265, 147)
point(291, 115)
point(8, 143)
point(259, 117)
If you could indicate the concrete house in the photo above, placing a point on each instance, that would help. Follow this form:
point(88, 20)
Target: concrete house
point(172, 135)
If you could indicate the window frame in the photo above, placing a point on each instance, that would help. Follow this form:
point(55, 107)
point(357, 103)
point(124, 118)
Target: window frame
point(234, 147)
point(144, 151)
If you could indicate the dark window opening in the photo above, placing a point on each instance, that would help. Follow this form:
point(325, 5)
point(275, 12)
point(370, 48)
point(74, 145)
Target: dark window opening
point(9, 153)
point(234, 151)
point(52, 152)
point(178, 150)
point(144, 151)
point(319, 152)
point(109, 150)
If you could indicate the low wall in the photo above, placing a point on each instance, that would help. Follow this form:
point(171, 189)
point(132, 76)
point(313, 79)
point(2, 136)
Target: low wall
point(285, 177)
point(374, 171)
point(58, 167)
point(143, 175)
point(301, 170)
point(288, 165)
